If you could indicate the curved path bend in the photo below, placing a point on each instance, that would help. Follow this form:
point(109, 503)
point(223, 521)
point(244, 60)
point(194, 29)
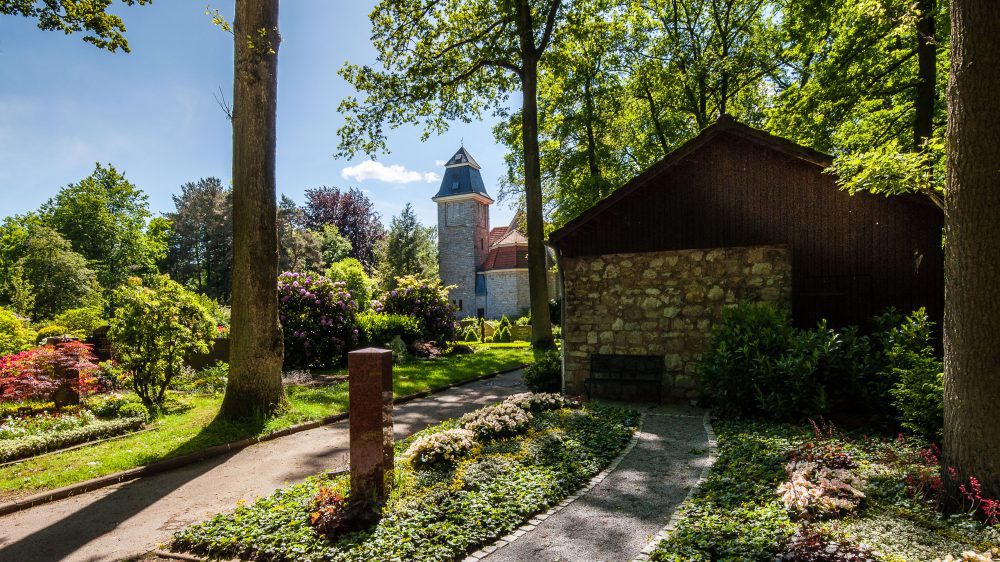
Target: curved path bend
point(131, 518)
point(618, 517)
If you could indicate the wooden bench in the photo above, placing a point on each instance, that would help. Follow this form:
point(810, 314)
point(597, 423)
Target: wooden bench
point(638, 371)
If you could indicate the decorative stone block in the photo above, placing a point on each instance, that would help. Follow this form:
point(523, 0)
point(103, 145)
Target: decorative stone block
point(370, 420)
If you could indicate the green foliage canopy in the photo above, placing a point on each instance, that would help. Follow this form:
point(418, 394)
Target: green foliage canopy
point(103, 29)
point(409, 249)
point(104, 217)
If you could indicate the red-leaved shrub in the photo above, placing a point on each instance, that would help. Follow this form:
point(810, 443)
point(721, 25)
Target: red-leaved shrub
point(39, 372)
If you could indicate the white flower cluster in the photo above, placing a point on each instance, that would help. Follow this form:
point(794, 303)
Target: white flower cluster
point(540, 401)
point(971, 556)
point(815, 491)
point(499, 420)
point(444, 446)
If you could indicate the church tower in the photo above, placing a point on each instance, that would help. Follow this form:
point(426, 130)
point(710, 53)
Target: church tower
point(463, 229)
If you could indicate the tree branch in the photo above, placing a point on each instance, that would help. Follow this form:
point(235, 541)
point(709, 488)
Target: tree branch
point(550, 24)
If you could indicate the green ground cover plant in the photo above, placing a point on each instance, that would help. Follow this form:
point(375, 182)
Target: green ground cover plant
point(447, 507)
point(740, 514)
point(189, 423)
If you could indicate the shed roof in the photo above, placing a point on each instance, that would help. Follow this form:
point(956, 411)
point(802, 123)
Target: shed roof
point(725, 124)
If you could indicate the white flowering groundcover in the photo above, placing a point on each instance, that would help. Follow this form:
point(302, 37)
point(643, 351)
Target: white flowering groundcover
point(457, 486)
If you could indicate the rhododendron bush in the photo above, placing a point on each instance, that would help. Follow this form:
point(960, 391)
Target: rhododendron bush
point(427, 301)
point(37, 373)
point(318, 319)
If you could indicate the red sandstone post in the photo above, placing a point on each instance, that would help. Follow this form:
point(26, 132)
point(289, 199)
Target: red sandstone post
point(370, 387)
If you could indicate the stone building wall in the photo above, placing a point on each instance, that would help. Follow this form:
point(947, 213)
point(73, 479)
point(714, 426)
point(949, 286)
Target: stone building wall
point(503, 287)
point(662, 303)
point(463, 227)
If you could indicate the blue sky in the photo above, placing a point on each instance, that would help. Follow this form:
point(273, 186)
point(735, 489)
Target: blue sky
point(65, 105)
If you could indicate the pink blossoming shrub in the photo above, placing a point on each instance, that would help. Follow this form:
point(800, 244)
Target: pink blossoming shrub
point(318, 318)
point(427, 301)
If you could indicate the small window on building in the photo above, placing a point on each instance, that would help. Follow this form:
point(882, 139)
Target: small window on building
point(480, 284)
point(480, 313)
point(460, 307)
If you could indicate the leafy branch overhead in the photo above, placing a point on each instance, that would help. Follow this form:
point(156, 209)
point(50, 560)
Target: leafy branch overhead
point(103, 29)
point(442, 61)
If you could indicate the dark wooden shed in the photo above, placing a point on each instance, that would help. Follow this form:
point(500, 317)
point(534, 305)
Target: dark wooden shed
point(733, 186)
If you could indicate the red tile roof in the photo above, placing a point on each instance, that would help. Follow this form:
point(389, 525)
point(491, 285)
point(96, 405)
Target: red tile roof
point(497, 233)
point(507, 257)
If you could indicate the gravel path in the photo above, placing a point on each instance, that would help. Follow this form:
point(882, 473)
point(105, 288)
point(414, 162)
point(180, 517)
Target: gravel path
point(130, 519)
point(617, 518)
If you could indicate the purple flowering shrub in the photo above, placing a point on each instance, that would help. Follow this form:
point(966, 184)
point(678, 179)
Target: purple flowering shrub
point(427, 301)
point(318, 318)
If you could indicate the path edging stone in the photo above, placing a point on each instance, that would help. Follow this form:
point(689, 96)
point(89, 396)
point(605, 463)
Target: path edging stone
point(539, 517)
point(713, 455)
point(210, 452)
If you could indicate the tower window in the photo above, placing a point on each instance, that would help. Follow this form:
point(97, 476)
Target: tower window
point(460, 307)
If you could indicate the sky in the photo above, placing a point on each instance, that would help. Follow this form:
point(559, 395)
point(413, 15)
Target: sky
point(66, 105)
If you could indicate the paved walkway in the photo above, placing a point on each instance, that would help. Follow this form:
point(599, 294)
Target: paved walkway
point(131, 518)
point(617, 518)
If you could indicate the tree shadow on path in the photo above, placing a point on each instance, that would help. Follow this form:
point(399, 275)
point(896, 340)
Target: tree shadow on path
point(64, 537)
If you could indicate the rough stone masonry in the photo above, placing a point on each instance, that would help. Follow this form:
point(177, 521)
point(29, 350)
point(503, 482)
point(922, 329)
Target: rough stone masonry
point(662, 303)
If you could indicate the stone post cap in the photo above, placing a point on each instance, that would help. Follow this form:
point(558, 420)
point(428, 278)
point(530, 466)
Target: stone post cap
point(370, 351)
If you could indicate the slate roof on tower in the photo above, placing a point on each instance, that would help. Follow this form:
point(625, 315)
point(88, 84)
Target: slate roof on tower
point(462, 177)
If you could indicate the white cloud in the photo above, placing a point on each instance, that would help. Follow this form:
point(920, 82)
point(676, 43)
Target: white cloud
point(372, 170)
point(440, 163)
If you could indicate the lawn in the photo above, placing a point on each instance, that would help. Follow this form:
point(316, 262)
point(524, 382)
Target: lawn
point(737, 514)
point(191, 424)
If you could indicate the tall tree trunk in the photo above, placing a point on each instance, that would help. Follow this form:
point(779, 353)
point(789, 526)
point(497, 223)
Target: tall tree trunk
point(588, 97)
point(972, 248)
point(541, 323)
point(256, 347)
point(923, 122)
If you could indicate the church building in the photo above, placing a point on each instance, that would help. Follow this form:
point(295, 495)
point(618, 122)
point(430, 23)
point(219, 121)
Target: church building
point(488, 267)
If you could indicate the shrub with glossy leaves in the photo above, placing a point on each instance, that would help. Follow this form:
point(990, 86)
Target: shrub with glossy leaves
point(427, 301)
point(917, 375)
point(154, 329)
point(545, 374)
point(318, 317)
